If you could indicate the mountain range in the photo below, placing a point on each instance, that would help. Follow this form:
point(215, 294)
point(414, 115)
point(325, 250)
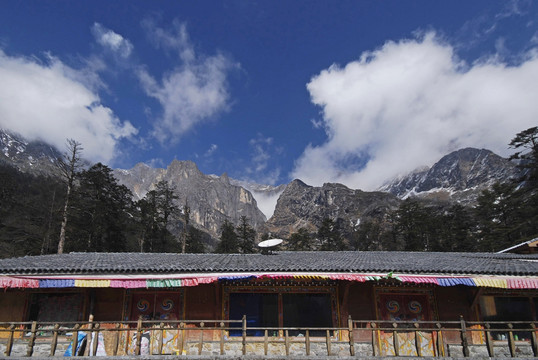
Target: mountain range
point(458, 177)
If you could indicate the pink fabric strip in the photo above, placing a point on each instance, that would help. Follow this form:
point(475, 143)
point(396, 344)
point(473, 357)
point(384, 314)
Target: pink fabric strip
point(418, 279)
point(522, 283)
point(8, 282)
point(128, 284)
point(207, 280)
point(348, 277)
point(189, 282)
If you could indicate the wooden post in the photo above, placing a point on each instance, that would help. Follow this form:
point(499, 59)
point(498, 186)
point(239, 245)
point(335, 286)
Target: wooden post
point(534, 342)
point(440, 341)
point(160, 343)
point(489, 341)
point(374, 332)
point(244, 333)
point(181, 338)
point(138, 336)
point(328, 339)
point(222, 338)
point(89, 336)
point(511, 343)
point(287, 342)
point(9, 345)
point(265, 342)
point(201, 345)
point(74, 341)
point(464, 341)
point(31, 341)
point(116, 340)
point(95, 339)
point(395, 340)
point(350, 336)
point(54, 342)
point(417, 340)
point(307, 342)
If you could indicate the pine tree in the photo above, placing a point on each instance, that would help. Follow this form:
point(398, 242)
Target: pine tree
point(300, 240)
point(246, 236)
point(455, 230)
point(367, 236)
point(103, 209)
point(416, 226)
point(229, 242)
point(156, 211)
point(191, 237)
point(329, 236)
point(497, 218)
point(194, 244)
point(527, 143)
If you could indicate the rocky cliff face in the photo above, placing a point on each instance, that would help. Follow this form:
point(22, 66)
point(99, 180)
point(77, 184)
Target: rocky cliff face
point(33, 157)
point(301, 205)
point(212, 199)
point(459, 176)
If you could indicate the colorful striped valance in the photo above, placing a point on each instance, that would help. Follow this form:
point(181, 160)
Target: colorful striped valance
point(480, 281)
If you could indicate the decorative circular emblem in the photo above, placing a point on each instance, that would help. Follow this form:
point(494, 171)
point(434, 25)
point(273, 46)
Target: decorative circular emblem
point(393, 306)
point(143, 305)
point(415, 307)
point(167, 304)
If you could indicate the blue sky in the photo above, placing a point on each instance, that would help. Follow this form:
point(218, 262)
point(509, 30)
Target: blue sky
point(355, 92)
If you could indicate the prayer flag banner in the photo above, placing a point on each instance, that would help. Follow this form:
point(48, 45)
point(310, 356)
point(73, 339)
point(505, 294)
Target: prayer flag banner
point(140, 282)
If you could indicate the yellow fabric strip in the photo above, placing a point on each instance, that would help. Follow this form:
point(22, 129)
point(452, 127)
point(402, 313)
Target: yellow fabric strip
point(92, 283)
point(489, 282)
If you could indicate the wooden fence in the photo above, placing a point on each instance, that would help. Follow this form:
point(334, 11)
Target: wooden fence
point(383, 338)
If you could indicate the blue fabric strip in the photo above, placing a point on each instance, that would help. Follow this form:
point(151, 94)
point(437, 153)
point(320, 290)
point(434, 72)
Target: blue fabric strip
point(455, 281)
point(56, 283)
point(246, 277)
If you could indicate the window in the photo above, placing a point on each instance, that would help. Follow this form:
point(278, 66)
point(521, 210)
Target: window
point(508, 309)
point(307, 310)
point(261, 310)
point(277, 307)
point(55, 307)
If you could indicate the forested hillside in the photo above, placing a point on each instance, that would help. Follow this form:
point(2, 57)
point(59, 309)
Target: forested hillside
point(102, 216)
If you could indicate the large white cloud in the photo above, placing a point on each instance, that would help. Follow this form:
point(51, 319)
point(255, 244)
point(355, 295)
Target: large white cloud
point(193, 92)
point(407, 104)
point(51, 102)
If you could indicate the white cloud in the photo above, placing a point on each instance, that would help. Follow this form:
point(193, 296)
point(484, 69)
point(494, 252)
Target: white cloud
point(111, 40)
point(260, 168)
point(51, 101)
point(407, 104)
point(260, 155)
point(192, 93)
point(177, 39)
point(211, 150)
point(266, 202)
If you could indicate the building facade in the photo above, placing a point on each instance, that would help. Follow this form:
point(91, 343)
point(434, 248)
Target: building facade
point(381, 298)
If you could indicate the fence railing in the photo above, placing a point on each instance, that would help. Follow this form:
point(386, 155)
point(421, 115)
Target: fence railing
point(235, 337)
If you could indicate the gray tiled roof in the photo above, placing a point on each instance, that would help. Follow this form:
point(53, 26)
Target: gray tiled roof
point(330, 261)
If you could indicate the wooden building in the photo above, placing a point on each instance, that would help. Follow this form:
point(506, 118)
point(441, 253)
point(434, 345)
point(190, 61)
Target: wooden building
point(293, 290)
